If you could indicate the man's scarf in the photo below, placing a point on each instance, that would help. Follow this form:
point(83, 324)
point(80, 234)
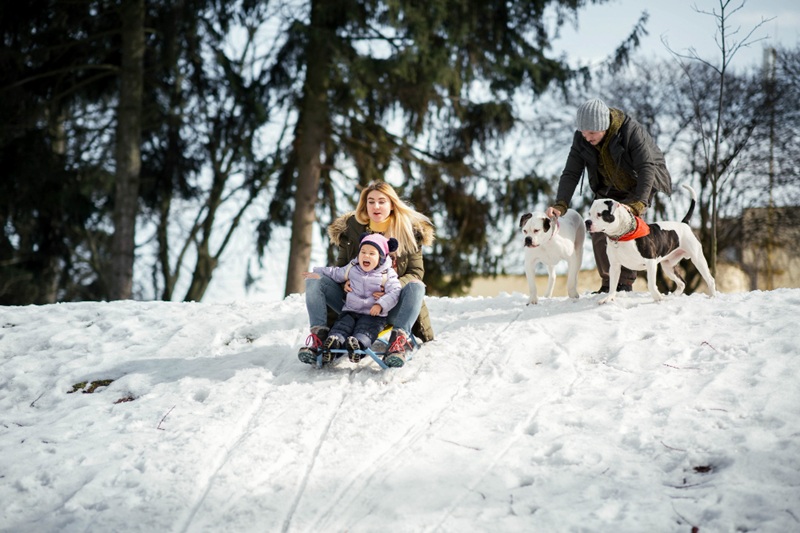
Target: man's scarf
point(612, 174)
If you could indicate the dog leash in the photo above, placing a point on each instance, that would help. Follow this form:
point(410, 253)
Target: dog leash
point(558, 225)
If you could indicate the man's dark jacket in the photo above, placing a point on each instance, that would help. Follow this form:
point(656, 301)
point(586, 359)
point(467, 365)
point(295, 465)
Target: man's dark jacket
point(631, 148)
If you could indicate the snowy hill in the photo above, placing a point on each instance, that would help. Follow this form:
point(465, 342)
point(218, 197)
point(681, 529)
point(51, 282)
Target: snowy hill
point(566, 416)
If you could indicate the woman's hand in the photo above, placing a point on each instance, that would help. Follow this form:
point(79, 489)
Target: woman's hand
point(310, 275)
point(375, 310)
point(347, 287)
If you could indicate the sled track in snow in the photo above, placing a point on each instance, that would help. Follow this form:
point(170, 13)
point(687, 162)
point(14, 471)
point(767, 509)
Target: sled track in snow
point(244, 429)
point(368, 470)
point(518, 434)
point(425, 425)
point(314, 456)
point(330, 420)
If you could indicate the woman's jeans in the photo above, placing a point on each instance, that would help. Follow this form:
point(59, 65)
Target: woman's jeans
point(324, 292)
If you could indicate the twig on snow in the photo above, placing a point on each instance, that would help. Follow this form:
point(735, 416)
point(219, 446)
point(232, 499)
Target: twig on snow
point(33, 403)
point(695, 529)
point(681, 367)
point(164, 418)
point(670, 447)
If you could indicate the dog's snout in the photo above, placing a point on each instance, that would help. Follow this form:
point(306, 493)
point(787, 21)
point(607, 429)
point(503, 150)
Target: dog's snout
point(528, 241)
point(588, 224)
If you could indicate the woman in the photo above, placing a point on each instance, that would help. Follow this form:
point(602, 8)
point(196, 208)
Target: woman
point(379, 210)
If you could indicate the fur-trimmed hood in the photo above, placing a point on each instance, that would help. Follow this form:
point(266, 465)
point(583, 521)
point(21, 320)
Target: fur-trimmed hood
point(337, 228)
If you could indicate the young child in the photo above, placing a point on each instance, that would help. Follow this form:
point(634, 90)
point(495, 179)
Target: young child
point(364, 314)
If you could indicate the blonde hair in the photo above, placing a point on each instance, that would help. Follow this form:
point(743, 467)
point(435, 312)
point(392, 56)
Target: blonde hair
point(403, 221)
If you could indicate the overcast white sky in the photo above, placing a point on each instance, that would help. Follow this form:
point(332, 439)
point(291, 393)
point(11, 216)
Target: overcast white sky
point(602, 27)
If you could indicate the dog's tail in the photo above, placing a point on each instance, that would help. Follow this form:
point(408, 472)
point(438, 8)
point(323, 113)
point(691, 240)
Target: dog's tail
point(689, 213)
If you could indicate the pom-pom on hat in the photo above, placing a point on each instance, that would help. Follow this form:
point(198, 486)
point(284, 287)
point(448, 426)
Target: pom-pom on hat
point(593, 115)
point(382, 244)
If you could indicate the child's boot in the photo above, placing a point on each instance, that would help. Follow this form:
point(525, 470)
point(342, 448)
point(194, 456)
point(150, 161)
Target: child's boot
point(314, 341)
point(396, 354)
point(353, 346)
point(331, 343)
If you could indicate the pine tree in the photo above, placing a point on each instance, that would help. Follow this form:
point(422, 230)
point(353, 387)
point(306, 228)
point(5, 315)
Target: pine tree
point(449, 71)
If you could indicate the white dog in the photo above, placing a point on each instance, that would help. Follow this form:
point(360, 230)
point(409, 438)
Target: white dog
point(548, 241)
point(631, 245)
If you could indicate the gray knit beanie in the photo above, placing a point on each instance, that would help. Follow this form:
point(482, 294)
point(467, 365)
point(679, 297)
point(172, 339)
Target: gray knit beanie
point(593, 116)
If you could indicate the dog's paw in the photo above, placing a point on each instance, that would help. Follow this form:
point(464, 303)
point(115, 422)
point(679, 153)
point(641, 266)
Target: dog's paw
point(533, 301)
point(608, 299)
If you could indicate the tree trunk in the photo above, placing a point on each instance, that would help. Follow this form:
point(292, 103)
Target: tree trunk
point(128, 154)
point(162, 238)
point(310, 137)
point(128, 151)
point(201, 277)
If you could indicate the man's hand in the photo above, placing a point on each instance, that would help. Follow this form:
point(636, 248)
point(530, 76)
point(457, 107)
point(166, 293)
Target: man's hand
point(637, 208)
point(558, 209)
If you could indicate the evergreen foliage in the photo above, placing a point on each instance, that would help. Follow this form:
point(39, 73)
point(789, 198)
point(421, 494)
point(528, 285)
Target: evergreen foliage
point(421, 90)
point(290, 107)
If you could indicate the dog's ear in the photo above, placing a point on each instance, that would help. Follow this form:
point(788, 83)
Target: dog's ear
point(607, 214)
point(546, 223)
point(523, 219)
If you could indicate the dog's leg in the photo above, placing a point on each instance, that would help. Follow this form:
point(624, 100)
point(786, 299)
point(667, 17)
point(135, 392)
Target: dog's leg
point(530, 273)
point(652, 270)
point(575, 261)
point(614, 270)
point(699, 260)
point(551, 281)
point(668, 265)
point(702, 267)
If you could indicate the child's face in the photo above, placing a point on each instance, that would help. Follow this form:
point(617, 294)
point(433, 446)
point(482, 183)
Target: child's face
point(368, 258)
point(379, 206)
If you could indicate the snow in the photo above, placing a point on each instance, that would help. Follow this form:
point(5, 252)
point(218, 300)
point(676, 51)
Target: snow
point(564, 416)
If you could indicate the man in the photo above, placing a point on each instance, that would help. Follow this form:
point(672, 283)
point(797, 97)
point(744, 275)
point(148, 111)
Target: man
point(623, 163)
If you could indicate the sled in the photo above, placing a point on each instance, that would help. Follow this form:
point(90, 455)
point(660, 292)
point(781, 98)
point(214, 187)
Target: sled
point(383, 337)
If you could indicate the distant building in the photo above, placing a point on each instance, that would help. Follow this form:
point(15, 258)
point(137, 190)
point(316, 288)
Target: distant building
point(767, 247)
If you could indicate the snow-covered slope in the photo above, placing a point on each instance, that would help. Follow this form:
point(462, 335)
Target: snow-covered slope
point(566, 416)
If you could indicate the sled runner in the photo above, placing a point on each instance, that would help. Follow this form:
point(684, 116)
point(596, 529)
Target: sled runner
point(378, 356)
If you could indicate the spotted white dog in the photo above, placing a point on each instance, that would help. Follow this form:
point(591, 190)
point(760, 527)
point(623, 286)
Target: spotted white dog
point(548, 241)
point(638, 246)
